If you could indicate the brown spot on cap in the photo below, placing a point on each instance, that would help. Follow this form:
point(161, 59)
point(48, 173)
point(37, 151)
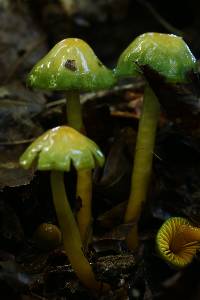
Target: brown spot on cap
point(71, 64)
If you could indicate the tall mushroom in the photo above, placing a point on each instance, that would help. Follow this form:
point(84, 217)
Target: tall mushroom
point(72, 66)
point(168, 56)
point(56, 150)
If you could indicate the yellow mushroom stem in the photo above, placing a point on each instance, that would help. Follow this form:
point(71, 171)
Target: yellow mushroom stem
point(71, 236)
point(142, 163)
point(84, 177)
point(74, 111)
point(84, 193)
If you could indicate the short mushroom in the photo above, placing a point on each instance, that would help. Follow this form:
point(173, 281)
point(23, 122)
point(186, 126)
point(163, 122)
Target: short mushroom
point(56, 150)
point(177, 241)
point(47, 236)
point(73, 67)
point(169, 56)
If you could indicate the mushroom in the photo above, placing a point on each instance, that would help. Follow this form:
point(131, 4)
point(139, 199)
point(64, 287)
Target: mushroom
point(177, 241)
point(168, 56)
point(56, 150)
point(47, 236)
point(72, 66)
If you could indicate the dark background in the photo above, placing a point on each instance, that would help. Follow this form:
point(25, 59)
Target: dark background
point(108, 26)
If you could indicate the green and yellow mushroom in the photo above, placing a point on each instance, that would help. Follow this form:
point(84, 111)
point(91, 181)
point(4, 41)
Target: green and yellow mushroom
point(169, 56)
point(71, 66)
point(56, 150)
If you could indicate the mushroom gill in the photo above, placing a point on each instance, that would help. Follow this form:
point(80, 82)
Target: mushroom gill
point(178, 241)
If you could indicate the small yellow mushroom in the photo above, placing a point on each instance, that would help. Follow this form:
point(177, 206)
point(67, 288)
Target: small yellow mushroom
point(177, 241)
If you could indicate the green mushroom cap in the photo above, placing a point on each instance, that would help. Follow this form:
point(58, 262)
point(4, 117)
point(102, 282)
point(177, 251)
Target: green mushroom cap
point(57, 148)
point(166, 54)
point(71, 65)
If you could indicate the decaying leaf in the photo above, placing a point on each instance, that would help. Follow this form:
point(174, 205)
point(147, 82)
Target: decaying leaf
point(19, 108)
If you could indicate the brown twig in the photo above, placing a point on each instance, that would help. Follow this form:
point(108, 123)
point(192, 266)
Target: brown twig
point(19, 142)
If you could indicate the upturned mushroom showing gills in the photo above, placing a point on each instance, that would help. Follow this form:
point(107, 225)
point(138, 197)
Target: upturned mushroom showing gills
point(56, 150)
point(177, 241)
point(169, 56)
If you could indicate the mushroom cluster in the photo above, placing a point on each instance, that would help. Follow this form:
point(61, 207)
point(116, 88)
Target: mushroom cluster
point(72, 67)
